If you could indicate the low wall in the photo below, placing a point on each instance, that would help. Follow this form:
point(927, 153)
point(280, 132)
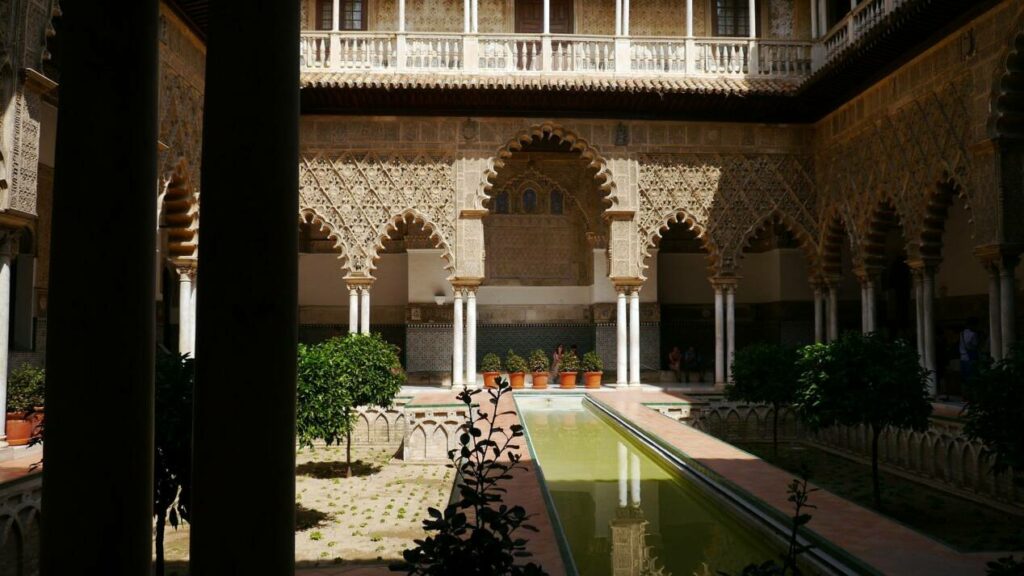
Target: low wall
point(940, 456)
point(20, 505)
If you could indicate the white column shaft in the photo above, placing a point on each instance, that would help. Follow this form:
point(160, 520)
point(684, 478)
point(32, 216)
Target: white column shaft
point(1007, 291)
point(995, 323)
point(833, 312)
point(547, 16)
point(401, 15)
point(618, 17)
point(353, 310)
point(928, 290)
point(184, 313)
point(621, 341)
point(466, 25)
point(192, 324)
point(623, 476)
point(819, 319)
point(457, 335)
point(689, 18)
point(634, 479)
point(471, 337)
point(814, 19)
point(719, 336)
point(730, 330)
point(752, 6)
point(919, 317)
point(364, 310)
point(5, 324)
point(476, 16)
point(634, 338)
point(872, 311)
point(625, 17)
point(336, 16)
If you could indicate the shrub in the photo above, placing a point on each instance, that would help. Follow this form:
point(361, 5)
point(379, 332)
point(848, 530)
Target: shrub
point(592, 362)
point(515, 363)
point(476, 535)
point(491, 363)
point(26, 388)
point(539, 361)
point(570, 363)
point(994, 408)
point(765, 374)
point(338, 375)
point(172, 496)
point(864, 379)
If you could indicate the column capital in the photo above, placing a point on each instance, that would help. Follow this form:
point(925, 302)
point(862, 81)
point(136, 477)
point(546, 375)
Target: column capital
point(724, 283)
point(867, 274)
point(466, 284)
point(359, 282)
point(186, 272)
point(924, 265)
point(627, 284)
point(999, 257)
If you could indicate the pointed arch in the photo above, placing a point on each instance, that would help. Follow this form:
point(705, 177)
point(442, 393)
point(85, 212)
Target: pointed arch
point(806, 240)
point(415, 215)
point(681, 216)
point(946, 194)
point(558, 132)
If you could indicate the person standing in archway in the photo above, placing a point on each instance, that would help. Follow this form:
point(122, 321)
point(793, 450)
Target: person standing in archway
point(970, 342)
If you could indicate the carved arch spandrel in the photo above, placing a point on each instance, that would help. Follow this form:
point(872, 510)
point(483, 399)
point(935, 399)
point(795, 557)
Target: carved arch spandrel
point(558, 132)
point(722, 195)
point(362, 196)
point(808, 244)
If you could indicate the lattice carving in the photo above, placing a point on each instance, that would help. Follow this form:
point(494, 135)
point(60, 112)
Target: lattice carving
point(656, 18)
point(726, 198)
point(780, 19)
point(423, 16)
point(597, 18)
point(359, 197)
point(903, 158)
point(493, 18)
point(181, 129)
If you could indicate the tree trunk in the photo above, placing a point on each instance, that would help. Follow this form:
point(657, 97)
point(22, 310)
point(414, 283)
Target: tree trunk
point(348, 446)
point(876, 431)
point(775, 429)
point(161, 521)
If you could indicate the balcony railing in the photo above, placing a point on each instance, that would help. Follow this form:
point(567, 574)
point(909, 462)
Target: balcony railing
point(527, 54)
point(535, 53)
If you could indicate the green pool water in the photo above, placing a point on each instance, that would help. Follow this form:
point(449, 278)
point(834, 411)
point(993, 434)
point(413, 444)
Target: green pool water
point(624, 512)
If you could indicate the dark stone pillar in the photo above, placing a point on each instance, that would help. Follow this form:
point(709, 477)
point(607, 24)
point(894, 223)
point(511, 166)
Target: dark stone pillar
point(98, 478)
point(243, 518)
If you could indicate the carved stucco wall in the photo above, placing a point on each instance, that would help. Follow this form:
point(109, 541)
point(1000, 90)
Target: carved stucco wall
point(925, 125)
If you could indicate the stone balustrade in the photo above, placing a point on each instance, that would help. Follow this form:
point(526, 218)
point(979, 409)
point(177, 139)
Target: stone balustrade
point(20, 504)
point(863, 18)
point(528, 54)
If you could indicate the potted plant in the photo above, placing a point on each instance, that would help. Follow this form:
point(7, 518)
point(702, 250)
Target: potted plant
point(539, 365)
point(25, 387)
point(516, 366)
point(491, 368)
point(567, 372)
point(592, 368)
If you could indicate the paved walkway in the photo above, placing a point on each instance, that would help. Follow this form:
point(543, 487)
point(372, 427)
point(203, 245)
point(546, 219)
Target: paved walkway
point(21, 466)
point(888, 546)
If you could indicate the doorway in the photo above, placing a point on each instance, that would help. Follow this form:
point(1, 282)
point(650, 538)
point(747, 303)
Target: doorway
point(530, 16)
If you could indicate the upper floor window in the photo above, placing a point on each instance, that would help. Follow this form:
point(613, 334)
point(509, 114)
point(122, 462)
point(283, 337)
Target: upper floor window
point(732, 18)
point(353, 14)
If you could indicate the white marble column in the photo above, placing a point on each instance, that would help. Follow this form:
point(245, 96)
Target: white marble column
point(185, 311)
point(618, 17)
point(475, 17)
point(819, 318)
point(863, 307)
point(1007, 292)
point(752, 7)
point(634, 479)
point(833, 311)
point(689, 18)
point(364, 310)
point(467, 25)
point(995, 323)
point(872, 303)
point(928, 325)
point(730, 329)
point(625, 17)
point(623, 475)
point(547, 16)
point(336, 16)
point(5, 323)
point(919, 315)
point(634, 337)
point(353, 309)
point(457, 322)
point(192, 322)
point(621, 340)
point(814, 20)
point(719, 336)
point(471, 335)
point(401, 15)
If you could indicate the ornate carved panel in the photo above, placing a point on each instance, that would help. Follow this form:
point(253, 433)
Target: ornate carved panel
point(726, 198)
point(359, 195)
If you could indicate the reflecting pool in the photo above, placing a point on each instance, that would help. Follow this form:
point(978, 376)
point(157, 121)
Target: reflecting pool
point(624, 512)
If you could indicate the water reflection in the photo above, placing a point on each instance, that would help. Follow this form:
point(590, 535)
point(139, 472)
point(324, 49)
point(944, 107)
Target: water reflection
point(623, 513)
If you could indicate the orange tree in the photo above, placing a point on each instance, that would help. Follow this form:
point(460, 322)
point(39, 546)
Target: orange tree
point(765, 374)
point(335, 377)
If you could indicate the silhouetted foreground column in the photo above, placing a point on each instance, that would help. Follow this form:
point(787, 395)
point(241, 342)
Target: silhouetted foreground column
point(243, 499)
point(101, 340)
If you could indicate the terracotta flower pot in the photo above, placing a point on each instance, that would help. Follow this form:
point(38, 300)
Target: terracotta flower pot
point(592, 379)
point(19, 428)
point(489, 378)
point(540, 380)
point(567, 380)
point(517, 379)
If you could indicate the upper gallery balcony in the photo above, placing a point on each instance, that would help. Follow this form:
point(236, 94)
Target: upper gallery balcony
point(753, 43)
